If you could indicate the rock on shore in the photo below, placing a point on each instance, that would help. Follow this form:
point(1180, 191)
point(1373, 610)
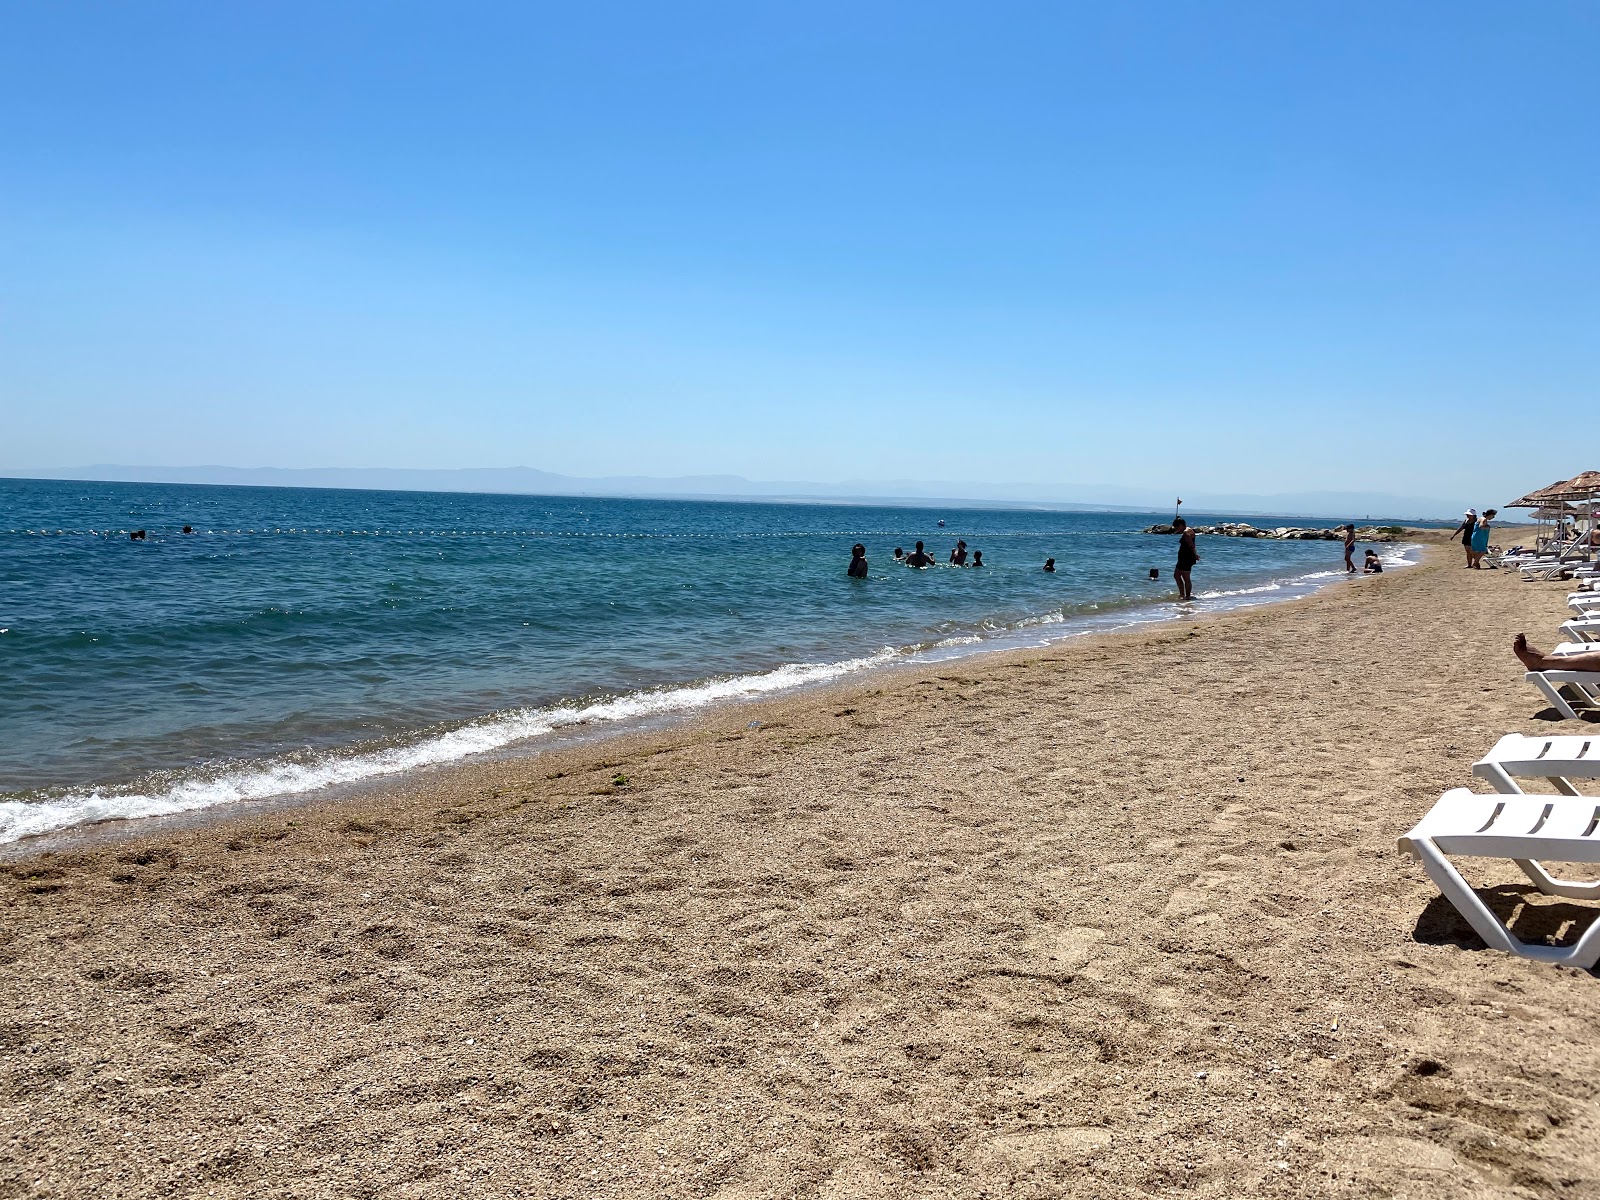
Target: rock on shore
point(1286, 533)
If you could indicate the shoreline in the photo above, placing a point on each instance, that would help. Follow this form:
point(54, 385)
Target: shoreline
point(333, 774)
point(1109, 918)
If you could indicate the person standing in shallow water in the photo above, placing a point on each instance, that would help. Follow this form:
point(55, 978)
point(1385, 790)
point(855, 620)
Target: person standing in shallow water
point(1349, 548)
point(1187, 557)
point(858, 561)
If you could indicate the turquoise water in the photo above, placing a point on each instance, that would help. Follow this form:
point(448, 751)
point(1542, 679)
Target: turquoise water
point(302, 638)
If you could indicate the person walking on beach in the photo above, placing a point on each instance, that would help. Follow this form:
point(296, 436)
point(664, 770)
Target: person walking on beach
point(1469, 522)
point(1187, 557)
point(1349, 547)
point(958, 556)
point(858, 561)
point(1479, 545)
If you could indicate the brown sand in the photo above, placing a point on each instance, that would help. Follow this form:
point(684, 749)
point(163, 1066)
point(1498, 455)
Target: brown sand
point(1118, 918)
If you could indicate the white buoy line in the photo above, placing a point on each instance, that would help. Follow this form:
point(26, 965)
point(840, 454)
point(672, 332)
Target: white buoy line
point(540, 533)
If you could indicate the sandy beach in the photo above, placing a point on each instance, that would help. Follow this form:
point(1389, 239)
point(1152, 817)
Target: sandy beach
point(1123, 917)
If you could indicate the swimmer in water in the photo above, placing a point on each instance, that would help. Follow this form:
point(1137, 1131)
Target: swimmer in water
point(858, 562)
point(1050, 565)
point(977, 558)
point(958, 556)
point(918, 558)
point(899, 555)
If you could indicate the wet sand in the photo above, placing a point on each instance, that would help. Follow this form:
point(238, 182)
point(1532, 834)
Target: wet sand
point(1121, 917)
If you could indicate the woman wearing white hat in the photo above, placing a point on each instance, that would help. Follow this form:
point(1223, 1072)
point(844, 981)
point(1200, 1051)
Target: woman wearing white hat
point(1469, 522)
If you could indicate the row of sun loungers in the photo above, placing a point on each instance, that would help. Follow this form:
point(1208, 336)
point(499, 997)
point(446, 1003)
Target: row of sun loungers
point(1527, 829)
point(1569, 690)
point(1559, 561)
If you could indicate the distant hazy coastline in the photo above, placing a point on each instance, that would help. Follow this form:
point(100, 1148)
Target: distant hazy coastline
point(531, 481)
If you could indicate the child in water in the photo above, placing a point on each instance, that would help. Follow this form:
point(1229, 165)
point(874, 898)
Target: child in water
point(858, 561)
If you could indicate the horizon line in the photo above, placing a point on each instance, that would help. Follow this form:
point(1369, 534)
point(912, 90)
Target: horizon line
point(883, 500)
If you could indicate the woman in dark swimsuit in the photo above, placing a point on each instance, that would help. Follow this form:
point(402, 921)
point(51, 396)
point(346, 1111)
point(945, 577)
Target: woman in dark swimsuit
point(1469, 522)
point(1187, 557)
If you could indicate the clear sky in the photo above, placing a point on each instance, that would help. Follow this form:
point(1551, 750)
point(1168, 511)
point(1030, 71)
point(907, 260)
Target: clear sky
point(1238, 247)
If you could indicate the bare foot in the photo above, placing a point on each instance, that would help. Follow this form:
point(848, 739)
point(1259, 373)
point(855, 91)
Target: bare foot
point(1530, 657)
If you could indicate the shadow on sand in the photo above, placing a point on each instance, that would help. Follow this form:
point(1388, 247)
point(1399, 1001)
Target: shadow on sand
point(1588, 716)
point(1528, 913)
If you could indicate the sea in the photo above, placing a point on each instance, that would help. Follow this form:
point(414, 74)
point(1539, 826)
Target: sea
point(304, 640)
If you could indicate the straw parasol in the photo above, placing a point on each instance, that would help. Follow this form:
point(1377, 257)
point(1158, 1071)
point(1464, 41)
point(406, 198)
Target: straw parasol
point(1538, 498)
point(1550, 502)
point(1579, 487)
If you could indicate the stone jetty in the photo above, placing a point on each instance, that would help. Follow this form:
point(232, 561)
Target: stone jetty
point(1289, 533)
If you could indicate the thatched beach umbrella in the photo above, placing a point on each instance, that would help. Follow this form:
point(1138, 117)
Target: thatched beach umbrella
point(1579, 487)
point(1539, 500)
point(1539, 497)
point(1584, 487)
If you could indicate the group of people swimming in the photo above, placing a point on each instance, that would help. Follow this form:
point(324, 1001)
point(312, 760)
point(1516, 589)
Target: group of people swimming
point(919, 559)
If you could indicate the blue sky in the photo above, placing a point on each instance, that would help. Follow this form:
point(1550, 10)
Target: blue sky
point(1225, 247)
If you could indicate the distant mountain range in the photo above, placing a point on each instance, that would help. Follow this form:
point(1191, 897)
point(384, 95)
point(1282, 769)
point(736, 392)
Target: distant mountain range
point(530, 481)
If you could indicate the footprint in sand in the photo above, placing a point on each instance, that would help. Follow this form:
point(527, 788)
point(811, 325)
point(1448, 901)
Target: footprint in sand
point(1066, 949)
point(1036, 1147)
point(1195, 905)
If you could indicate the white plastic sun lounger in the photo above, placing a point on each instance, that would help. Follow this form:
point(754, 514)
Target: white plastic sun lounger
point(1564, 648)
point(1523, 829)
point(1559, 760)
point(1537, 572)
point(1585, 683)
point(1583, 629)
point(1585, 604)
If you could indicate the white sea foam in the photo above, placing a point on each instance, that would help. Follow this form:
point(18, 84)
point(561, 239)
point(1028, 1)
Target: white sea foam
point(21, 819)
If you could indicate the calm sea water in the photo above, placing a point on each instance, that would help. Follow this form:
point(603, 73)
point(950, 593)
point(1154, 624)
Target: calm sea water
point(302, 638)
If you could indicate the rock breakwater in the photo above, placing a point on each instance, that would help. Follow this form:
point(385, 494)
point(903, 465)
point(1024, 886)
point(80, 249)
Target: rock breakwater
point(1287, 533)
